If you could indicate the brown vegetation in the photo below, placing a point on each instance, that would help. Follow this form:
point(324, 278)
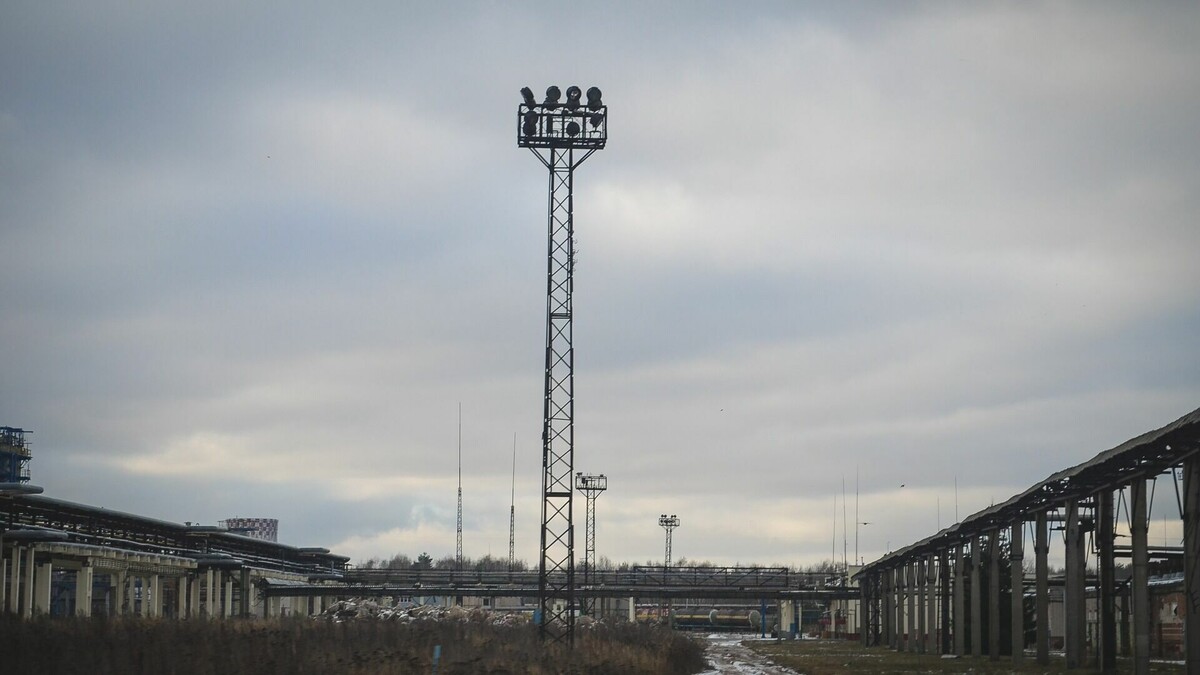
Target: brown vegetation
point(828, 657)
point(303, 647)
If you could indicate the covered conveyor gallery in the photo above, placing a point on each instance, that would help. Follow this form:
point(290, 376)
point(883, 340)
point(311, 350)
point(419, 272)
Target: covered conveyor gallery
point(965, 590)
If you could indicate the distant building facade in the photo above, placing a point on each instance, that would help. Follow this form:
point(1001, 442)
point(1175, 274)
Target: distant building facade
point(266, 529)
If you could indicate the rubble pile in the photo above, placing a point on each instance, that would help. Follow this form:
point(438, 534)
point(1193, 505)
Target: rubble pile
point(360, 609)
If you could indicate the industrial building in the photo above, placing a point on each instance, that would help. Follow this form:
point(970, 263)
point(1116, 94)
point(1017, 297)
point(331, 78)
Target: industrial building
point(64, 558)
point(61, 558)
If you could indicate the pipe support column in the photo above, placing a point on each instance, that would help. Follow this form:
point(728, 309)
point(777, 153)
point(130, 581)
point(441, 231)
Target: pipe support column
point(1041, 551)
point(930, 635)
point(1074, 601)
point(1106, 586)
point(1016, 558)
point(83, 590)
point(1140, 589)
point(994, 595)
point(960, 601)
point(1191, 560)
point(976, 598)
point(912, 586)
point(41, 593)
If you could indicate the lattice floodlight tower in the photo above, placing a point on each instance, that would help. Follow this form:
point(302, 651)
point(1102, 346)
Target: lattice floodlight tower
point(669, 523)
point(591, 486)
point(562, 134)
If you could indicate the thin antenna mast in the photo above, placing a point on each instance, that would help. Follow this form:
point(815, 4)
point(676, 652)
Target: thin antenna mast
point(458, 558)
point(845, 525)
point(833, 539)
point(956, 498)
point(856, 523)
point(512, 510)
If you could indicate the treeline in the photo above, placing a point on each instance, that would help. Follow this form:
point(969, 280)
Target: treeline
point(424, 561)
point(490, 563)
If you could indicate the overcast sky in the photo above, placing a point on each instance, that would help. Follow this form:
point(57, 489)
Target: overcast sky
point(252, 259)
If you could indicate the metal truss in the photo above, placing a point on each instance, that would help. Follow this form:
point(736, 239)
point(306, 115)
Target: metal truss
point(556, 571)
point(591, 486)
point(553, 131)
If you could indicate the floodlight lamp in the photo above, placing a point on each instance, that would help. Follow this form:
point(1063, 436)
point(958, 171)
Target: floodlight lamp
point(596, 119)
point(573, 95)
point(593, 94)
point(529, 126)
point(527, 94)
point(572, 128)
point(553, 93)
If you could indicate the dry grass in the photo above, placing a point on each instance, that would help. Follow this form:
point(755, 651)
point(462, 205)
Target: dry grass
point(826, 657)
point(306, 647)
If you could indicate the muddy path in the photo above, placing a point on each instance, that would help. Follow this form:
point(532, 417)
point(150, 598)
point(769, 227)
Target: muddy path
point(726, 655)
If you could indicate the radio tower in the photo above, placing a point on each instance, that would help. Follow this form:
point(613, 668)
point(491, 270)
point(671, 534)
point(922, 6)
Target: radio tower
point(512, 512)
point(458, 549)
point(562, 135)
point(591, 486)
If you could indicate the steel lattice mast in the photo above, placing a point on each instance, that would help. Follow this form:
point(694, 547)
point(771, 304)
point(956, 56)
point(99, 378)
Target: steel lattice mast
point(668, 523)
point(512, 512)
point(591, 486)
point(458, 556)
point(562, 135)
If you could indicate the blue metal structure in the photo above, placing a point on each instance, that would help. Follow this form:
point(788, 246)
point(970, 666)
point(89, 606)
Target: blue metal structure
point(14, 455)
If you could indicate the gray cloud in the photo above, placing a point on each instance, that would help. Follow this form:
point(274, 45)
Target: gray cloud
point(255, 256)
